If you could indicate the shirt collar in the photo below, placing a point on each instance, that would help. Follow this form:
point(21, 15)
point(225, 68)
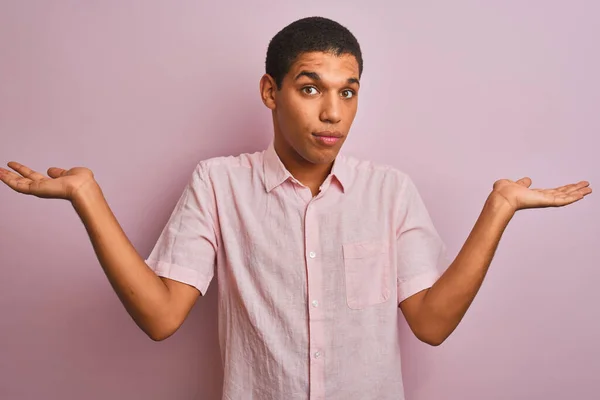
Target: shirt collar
point(275, 172)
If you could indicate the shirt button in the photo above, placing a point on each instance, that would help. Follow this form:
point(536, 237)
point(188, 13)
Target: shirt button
point(312, 254)
point(315, 303)
point(317, 354)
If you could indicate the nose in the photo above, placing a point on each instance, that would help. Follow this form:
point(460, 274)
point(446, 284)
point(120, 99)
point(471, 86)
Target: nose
point(331, 109)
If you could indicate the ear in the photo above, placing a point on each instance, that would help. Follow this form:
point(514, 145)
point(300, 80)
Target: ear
point(268, 90)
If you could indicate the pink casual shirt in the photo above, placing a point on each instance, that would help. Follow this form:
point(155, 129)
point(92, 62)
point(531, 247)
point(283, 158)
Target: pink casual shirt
point(309, 287)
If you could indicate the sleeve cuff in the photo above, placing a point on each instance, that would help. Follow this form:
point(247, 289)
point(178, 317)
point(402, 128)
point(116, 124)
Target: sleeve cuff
point(180, 274)
point(416, 284)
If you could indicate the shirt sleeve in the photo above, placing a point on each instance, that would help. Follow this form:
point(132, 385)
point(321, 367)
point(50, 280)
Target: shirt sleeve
point(187, 247)
point(421, 251)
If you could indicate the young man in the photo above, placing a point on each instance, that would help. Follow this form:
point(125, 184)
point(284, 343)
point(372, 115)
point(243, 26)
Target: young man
point(315, 251)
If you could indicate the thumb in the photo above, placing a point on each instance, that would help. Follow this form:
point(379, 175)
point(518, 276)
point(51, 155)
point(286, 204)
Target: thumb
point(526, 181)
point(54, 172)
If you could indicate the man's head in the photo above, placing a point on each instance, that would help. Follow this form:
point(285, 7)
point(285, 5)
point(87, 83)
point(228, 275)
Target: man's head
point(311, 84)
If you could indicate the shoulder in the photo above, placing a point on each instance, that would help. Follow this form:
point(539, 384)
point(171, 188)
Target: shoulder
point(382, 173)
point(210, 168)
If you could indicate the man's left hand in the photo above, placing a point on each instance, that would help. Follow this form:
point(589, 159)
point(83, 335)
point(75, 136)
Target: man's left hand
point(519, 196)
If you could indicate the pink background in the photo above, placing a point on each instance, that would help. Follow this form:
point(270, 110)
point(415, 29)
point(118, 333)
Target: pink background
point(457, 94)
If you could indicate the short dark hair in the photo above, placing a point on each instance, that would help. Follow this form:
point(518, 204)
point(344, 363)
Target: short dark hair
point(308, 35)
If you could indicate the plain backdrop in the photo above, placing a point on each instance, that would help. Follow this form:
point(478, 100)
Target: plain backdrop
point(457, 94)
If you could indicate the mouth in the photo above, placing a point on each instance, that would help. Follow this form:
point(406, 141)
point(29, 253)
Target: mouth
point(327, 137)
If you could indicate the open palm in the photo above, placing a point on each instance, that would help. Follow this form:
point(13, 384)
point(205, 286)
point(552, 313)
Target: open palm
point(520, 196)
point(59, 184)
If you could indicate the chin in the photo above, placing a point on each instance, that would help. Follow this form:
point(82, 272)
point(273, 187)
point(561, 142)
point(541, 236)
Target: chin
point(313, 153)
point(322, 156)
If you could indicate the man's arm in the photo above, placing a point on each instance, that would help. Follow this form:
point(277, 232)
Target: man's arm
point(434, 313)
point(157, 305)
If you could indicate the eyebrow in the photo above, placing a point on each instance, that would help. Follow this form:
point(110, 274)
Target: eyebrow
point(314, 76)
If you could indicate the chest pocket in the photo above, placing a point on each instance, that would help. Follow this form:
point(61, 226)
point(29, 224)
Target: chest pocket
point(367, 273)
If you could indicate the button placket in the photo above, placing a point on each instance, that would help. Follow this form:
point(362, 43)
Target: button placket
point(315, 316)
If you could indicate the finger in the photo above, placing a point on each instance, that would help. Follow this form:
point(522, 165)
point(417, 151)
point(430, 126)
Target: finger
point(566, 188)
point(585, 191)
point(570, 198)
point(16, 182)
point(6, 175)
point(573, 187)
point(25, 171)
point(563, 199)
point(526, 181)
point(54, 172)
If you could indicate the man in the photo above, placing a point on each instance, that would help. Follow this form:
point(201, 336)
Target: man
point(315, 251)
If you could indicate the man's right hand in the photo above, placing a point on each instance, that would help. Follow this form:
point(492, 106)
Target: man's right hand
point(61, 184)
point(158, 305)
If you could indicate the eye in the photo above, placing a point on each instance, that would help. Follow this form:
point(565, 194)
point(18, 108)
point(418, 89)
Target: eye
point(309, 90)
point(347, 94)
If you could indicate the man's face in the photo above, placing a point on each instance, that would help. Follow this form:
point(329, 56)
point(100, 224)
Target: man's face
point(315, 107)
